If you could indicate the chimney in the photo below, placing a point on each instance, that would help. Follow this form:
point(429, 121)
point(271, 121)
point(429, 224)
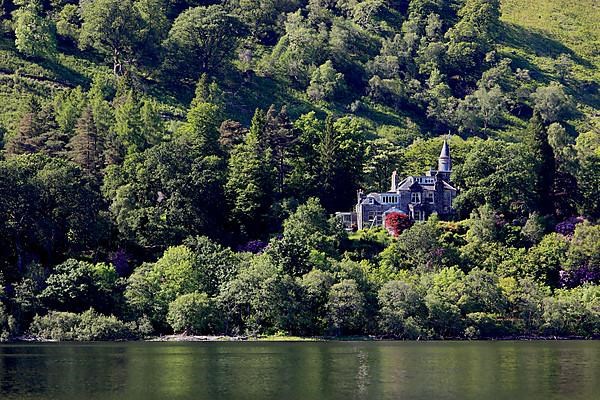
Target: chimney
point(394, 181)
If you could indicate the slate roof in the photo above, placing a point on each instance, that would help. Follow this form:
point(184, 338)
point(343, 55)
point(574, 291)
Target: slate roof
point(407, 183)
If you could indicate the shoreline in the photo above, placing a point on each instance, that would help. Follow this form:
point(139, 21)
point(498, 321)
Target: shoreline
point(297, 339)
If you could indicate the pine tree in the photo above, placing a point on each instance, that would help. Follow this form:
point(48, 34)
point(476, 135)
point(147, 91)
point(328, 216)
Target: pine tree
point(104, 121)
point(231, 133)
point(546, 164)
point(280, 136)
point(204, 118)
point(86, 147)
point(128, 123)
point(29, 137)
point(250, 183)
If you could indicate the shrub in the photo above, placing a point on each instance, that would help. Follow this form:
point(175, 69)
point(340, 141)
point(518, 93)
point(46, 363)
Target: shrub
point(191, 313)
point(56, 325)
point(346, 307)
point(87, 326)
point(487, 325)
point(325, 83)
point(396, 223)
point(96, 327)
point(7, 324)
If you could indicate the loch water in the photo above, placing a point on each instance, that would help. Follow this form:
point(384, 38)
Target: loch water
point(543, 370)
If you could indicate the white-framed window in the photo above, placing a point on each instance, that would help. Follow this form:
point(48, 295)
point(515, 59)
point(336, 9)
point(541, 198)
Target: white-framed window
point(389, 199)
point(415, 197)
point(430, 196)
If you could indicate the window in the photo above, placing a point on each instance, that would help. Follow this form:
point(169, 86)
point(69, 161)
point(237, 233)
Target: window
point(389, 199)
point(430, 196)
point(415, 197)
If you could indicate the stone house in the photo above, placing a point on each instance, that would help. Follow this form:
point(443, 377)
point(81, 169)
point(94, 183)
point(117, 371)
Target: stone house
point(416, 196)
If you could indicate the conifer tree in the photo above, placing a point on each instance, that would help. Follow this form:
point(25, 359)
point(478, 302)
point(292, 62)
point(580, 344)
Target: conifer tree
point(204, 118)
point(86, 147)
point(231, 133)
point(37, 131)
point(280, 136)
point(250, 182)
point(546, 164)
point(128, 125)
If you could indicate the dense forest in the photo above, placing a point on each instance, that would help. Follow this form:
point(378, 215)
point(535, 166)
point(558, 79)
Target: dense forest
point(174, 165)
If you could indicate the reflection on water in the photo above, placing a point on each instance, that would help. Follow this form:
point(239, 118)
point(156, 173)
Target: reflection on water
point(351, 370)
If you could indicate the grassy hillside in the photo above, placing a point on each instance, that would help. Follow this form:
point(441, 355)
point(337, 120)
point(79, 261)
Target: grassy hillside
point(538, 32)
point(535, 34)
point(571, 26)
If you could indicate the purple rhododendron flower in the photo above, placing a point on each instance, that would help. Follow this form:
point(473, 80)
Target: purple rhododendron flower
point(254, 247)
point(567, 227)
point(120, 260)
point(579, 276)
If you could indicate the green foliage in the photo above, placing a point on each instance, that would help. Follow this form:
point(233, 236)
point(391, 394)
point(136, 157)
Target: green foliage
point(216, 264)
point(152, 287)
point(471, 38)
point(78, 285)
point(588, 176)
point(46, 204)
point(315, 286)
point(121, 167)
point(499, 174)
point(584, 252)
point(7, 324)
point(33, 32)
point(203, 119)
point(552, 103)
point(249, 186)
point(87, 326)
point(307, 230)
point(535, 228)
point(572, 312)
point(402, 310)
point(165, 194)
point(201, 40)
point(68, 22)
point(325, 83)
point(136, 124)
point(418, 247)
point(346, 308)
point(191, 313)
point(443, 300)
point(260, 298)
point(114, 28)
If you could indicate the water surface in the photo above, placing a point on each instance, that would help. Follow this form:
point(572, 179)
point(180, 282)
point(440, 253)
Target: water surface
point(290, 371)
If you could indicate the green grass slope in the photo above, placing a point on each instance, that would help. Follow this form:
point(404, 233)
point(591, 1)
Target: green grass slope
point(537, 32)
point(565, 26)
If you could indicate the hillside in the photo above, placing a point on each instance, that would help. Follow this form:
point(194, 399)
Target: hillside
point(224, 167)
point(538, 32)
point(534, 34)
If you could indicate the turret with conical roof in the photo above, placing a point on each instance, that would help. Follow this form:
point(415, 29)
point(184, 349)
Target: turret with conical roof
point(445, 161)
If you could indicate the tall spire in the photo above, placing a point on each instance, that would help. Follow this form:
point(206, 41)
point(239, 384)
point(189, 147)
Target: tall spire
point(445, 161)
